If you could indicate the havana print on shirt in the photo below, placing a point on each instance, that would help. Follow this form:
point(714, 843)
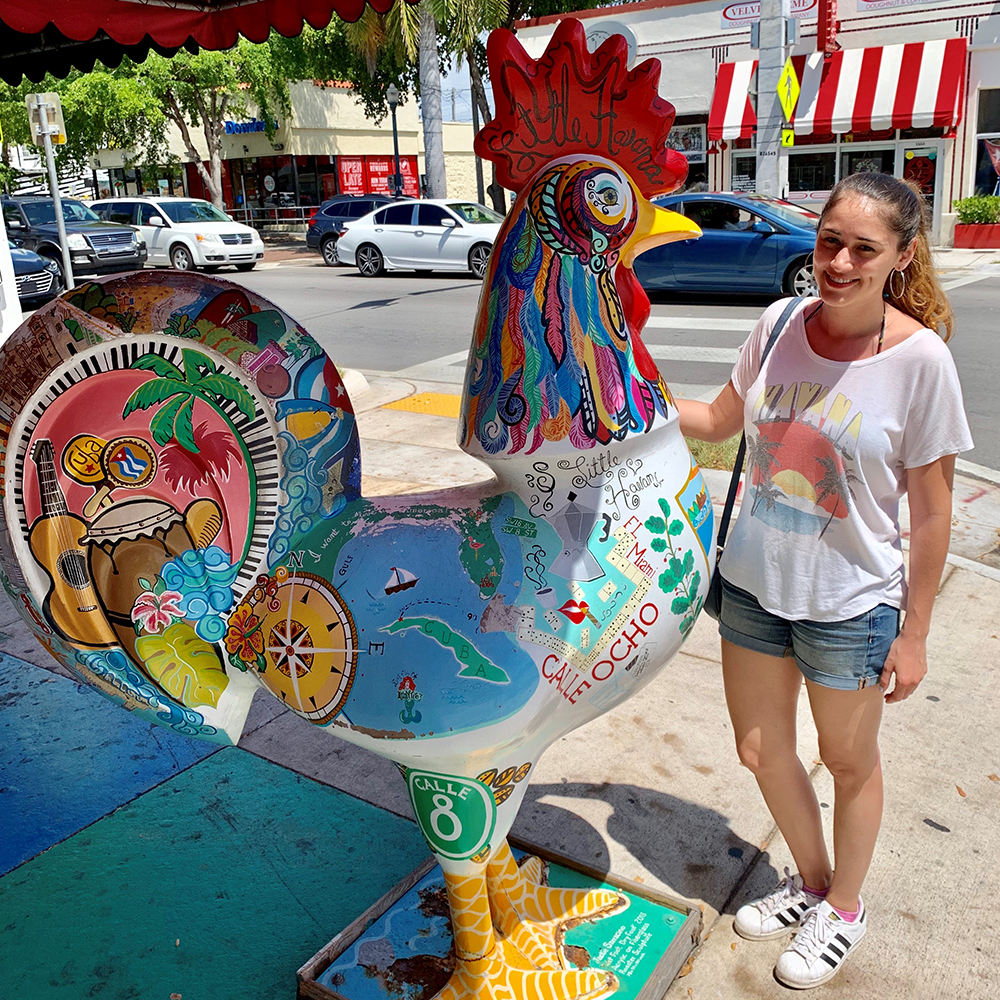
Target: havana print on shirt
point(802, 459)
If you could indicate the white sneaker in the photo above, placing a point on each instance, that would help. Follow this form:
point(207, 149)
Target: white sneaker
point(777, 913)
point(823, 942)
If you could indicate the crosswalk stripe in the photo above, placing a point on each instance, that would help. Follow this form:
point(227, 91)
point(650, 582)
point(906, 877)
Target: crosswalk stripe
point(678, 352)
point(700, 323)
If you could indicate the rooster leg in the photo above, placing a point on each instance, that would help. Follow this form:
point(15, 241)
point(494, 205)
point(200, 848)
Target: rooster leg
point(489, 966)
point(535, 917)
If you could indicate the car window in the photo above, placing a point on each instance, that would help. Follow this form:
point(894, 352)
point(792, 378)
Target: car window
point(359, 209)
point(336, 211)
point(432, 215)
point(11, 213)
point(148, 212)
point(119, 211)
point(41, 213)
point(788, 212)
point(399, 215)
point(476, 214)
point(192, 211)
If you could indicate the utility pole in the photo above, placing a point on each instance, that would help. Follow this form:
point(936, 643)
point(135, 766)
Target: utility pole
point(772, 165)
point(480, 188)
point(39, 108)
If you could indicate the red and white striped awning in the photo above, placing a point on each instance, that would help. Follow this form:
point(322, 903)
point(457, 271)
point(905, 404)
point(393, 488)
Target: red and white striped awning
point(916, 85)
point(732, 115)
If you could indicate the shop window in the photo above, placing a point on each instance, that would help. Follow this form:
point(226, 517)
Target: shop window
point(868, 161)
point(812, 171)
point(744, 173)
point(921, 133)
point(816, 139)
point(988, 119)
point(988, 164)
point(884, 135)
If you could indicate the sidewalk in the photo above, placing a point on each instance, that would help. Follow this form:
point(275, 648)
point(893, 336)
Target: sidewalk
point(653, 791)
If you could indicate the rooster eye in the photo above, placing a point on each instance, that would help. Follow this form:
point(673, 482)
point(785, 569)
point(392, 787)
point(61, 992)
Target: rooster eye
point(605, 197)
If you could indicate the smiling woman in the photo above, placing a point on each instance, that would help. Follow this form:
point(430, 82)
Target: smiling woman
point(857, 404)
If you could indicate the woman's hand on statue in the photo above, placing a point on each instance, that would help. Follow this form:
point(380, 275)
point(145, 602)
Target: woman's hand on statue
point(907, 660)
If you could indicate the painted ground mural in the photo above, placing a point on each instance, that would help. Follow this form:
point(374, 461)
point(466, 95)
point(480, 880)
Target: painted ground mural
point(184, 521)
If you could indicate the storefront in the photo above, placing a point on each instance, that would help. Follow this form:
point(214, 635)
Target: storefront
point(901, 96)
point(888, 109)
point(267, 182)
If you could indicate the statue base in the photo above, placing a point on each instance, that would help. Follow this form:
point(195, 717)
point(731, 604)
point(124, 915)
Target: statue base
point(400, 948)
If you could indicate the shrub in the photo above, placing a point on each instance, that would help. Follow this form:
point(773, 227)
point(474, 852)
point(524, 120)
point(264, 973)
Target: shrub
point(983, 209)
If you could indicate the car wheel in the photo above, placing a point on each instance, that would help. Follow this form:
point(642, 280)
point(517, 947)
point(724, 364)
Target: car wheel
point(328, 248)
point(799, 279)
point(181, 259)
point(370, 261)
point(246, 267)
point(479, 259)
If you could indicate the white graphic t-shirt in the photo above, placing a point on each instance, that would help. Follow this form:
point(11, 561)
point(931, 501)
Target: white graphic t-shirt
point(828, 446)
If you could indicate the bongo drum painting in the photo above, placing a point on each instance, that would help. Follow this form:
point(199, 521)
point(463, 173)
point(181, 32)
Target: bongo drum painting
point(141, 476)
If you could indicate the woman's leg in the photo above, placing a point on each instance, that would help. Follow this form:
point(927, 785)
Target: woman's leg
point(847, 723)
point(762, 693)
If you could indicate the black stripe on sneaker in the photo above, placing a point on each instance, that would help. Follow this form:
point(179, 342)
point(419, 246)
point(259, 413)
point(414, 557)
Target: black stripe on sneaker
point(835, 950)
point(826, 958)
point(842, 940)
point(784, 920)
point(802, 907)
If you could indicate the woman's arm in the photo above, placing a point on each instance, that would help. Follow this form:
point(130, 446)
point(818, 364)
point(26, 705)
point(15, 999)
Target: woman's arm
point(715, 421)
point(929, 489)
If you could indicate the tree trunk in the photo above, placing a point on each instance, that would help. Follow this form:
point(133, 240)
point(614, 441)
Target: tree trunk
point(430, 105)
point(496, 192)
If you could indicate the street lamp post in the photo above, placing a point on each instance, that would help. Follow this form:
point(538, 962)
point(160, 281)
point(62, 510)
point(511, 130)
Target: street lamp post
point(392, 96)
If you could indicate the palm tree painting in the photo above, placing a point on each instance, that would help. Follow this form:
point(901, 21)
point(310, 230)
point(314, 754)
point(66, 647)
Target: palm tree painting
point(760, 459)
point(189, 458)
point(836, 482)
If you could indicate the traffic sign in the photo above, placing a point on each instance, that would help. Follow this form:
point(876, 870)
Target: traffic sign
point(55, 125)
point(788, 90)
point(787, 137)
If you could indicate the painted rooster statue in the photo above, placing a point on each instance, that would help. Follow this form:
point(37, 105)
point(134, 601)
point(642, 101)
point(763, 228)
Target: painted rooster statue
point(181, 499)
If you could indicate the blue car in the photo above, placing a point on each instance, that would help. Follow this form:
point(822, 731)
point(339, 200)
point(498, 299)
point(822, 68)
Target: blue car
point(749, 243)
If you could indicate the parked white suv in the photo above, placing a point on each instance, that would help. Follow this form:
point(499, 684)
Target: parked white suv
point(186, 233)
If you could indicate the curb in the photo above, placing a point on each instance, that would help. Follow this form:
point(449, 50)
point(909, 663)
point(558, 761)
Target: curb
point(980, 472)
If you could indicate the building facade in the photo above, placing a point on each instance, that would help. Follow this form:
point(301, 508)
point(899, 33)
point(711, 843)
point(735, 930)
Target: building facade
point(914, 91)
point(324, 147)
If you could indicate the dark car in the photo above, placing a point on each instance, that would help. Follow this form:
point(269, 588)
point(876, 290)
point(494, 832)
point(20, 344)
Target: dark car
point(38, 278)
point(328, 223)
point(749, 243)
point(95, 247)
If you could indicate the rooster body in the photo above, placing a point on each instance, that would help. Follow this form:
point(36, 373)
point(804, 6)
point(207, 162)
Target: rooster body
point(457, 633)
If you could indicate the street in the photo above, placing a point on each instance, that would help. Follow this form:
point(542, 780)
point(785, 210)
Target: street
point(396, 322)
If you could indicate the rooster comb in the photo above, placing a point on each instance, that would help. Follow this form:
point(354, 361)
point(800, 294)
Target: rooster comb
point(572, 100)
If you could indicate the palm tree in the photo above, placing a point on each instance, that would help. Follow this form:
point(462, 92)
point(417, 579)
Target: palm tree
point(759, 460)
point(836, 482)
point(176, 391)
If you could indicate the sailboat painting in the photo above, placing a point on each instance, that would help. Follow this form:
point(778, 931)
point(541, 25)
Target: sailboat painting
point(400, 579)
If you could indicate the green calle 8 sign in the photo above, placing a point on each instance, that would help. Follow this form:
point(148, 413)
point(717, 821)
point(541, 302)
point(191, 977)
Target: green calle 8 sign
point(455, 815)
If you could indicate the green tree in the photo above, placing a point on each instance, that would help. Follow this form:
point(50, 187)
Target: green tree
point(204, 90)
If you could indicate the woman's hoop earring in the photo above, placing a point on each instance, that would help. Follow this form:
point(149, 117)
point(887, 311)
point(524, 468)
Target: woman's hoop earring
point(902, 275)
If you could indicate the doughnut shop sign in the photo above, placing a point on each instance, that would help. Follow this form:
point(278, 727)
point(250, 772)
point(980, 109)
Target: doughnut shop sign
point(741, 15)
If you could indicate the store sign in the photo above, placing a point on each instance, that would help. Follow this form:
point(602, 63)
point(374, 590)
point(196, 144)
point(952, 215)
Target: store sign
point(689, 140)
point(254, 125)
point(742, 15)
point(351, 170)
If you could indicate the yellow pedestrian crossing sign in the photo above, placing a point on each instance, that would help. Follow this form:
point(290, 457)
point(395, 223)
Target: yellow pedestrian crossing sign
point(788, 89)
point(787, 137)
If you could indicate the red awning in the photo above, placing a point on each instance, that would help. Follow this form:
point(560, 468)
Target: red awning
point(58, 35)
point(732, 115)
point(916, 85)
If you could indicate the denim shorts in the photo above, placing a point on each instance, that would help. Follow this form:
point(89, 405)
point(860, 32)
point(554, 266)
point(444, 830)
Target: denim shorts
point(847, 655)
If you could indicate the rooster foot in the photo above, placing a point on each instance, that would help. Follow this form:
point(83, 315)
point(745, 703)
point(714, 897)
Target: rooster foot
point(535, 917)
point(502, 976)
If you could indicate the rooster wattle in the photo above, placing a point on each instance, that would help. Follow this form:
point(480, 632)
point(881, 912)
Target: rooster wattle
point(190, 460)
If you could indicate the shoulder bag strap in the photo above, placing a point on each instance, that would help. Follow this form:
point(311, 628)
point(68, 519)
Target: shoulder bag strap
point(734, 483)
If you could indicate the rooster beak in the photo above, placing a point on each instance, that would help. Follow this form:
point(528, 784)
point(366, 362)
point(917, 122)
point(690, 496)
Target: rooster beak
point(656, 226)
